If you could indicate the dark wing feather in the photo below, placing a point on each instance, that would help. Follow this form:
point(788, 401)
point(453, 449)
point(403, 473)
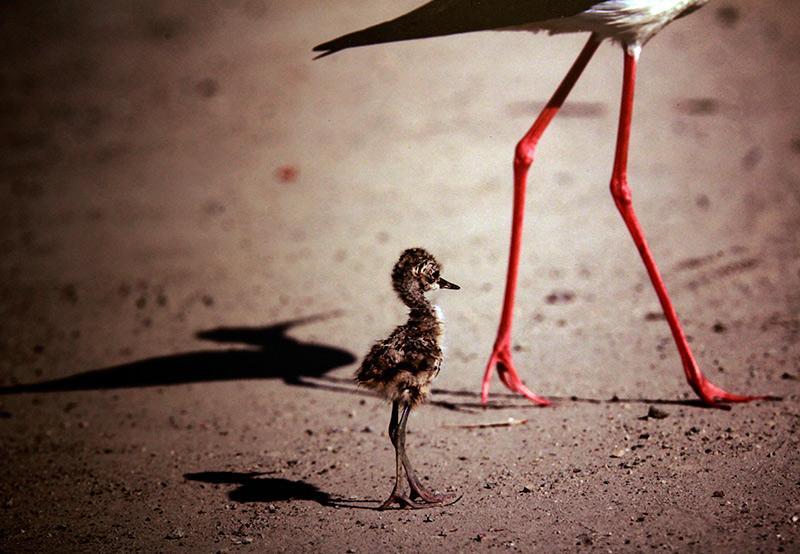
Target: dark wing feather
point(449, 17)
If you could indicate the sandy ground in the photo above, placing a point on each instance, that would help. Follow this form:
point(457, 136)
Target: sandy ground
point(198, 228)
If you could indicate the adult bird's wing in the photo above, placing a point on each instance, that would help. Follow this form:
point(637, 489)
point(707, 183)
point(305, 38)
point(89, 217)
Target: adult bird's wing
point(449, 17)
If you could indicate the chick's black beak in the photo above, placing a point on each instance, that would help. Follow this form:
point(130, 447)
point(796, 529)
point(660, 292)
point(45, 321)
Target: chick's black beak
point(447, 284)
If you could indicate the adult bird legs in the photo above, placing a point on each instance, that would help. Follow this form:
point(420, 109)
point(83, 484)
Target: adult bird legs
point(631, 23)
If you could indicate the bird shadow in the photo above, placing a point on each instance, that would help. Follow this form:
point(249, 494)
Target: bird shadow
point(505, 401)
point(469, 401)
point(253, 487)
point(263, 353)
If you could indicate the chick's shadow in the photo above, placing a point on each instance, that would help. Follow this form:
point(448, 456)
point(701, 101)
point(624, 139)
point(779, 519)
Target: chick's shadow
point(268, 353)
point(254, 487)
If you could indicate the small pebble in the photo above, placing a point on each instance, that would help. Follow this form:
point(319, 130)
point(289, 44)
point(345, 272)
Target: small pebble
point(176, 533)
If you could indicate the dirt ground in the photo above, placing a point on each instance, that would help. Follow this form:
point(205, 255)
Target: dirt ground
point(198, 225)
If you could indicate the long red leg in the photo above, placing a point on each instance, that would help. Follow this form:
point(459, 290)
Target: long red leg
point(709, 393)
point(501, 353)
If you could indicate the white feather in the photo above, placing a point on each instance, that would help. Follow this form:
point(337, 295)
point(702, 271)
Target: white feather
point(630, 22)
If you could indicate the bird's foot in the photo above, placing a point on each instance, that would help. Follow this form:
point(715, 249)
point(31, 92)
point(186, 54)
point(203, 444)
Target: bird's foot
point(430, 501)
point(420, 497)
point(502, 360)
point(715, 397)
point(402, 500)
point(420, 492)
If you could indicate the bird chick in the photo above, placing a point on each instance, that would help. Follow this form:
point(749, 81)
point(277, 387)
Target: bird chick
point(402, 366)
